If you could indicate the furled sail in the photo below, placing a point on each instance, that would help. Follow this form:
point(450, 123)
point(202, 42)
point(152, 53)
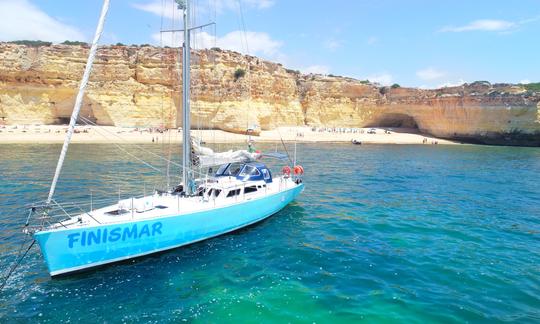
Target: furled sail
point(206, 157)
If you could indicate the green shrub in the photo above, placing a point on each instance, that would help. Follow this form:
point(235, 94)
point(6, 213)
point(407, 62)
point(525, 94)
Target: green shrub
point(31, 43)
point(239, 73)
point(120, 44)
point(532, 86)
point(67, 42)
point(395, 86)
point(292, 71)
point(481, 82)
point(365, 82)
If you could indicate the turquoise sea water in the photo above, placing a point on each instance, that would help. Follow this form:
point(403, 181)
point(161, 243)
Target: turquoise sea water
point(381, 234)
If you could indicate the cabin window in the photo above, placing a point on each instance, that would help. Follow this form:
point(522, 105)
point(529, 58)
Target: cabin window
point(233, 169)
point(250, 189)
point(214, 192)
point(266, 174)
point(250, 171)
point(222, 169)
point(234, 192)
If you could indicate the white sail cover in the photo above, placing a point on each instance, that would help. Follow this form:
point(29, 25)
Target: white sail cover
point(207, 157)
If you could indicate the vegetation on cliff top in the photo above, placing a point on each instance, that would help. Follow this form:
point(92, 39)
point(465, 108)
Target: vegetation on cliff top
point(239, 73)
point(292, 71)
point(38, 43)
point(31, 43)
point(68, 42)
point(532, 86)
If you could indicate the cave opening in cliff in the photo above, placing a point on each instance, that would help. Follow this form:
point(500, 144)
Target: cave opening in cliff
point(394, 120)
point(66, 120)
point(62, 120)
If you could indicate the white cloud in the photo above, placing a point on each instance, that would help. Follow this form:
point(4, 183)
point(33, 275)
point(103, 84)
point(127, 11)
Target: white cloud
point(169, 8)
point(223, 5)
point(529, 20)
point(372, 40)
point(250, 42)
point(199, 40)
point(430, 74)
point(316, 69)
point(22, 20)
point(259, 4)
point(385, 79)
point(526, 81)
point(332, 44)
point(482, 25)
point(450, 84)
point(258, 43)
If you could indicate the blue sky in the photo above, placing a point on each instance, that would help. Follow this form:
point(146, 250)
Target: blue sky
point(417, 43)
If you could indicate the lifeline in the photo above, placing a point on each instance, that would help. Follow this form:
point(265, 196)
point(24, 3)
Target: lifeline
point(99, 236)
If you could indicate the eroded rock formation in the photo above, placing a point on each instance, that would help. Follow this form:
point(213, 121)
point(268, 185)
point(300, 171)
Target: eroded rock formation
point(140, 86)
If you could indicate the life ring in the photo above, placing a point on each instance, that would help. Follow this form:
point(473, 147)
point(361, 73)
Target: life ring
point(286, 170)
point(298, 169)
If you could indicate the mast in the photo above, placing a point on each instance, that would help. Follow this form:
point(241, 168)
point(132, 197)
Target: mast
point(80, 96)
point(186, 123)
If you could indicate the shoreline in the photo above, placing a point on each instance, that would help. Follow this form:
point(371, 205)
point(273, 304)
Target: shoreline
point(55, 134)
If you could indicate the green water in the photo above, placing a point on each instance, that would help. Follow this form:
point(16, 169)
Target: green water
point(381, 234)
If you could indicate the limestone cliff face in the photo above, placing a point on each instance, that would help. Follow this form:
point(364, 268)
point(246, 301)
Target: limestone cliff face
point(140, 86)
point(479, 112)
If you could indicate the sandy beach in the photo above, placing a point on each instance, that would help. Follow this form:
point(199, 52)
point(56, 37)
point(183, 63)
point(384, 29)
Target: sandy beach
point(47, 134)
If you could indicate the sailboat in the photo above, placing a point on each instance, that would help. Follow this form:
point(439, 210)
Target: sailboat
point(242, 191)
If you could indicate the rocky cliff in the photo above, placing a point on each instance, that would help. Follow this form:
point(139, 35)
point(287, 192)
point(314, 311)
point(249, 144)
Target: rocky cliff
point(140, 86)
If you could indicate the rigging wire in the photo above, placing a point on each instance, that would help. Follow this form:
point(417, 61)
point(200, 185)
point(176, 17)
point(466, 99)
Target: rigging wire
point(89, 122)
point(168, 93)
point(244, 32)
point(245, 45)
point(285, 147)
point(80, 95)
point(162, 104)
point(16, 263)
point(216, 86)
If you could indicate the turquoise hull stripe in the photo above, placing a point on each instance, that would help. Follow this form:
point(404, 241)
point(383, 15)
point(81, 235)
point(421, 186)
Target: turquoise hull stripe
point(67, 250)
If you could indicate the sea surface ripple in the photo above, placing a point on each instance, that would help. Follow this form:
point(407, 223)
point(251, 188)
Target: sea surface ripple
point(381, 233)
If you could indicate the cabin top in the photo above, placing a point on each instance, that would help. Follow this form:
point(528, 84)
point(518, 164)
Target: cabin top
point(252, 171)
